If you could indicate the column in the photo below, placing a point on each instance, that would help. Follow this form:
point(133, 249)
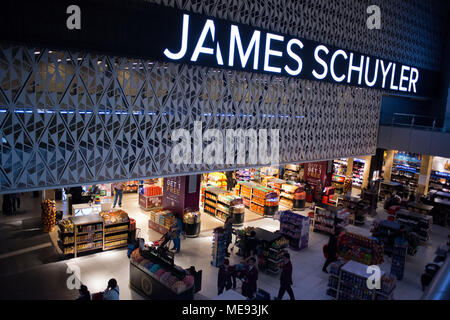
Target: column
point(424, 176)
point(365, 181)
point(349, 171)
point(48, 194)
point(388, 162)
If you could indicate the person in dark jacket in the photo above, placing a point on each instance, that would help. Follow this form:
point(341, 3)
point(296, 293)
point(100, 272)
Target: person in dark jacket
point(251, 245)
point(224, 279)
point(229, 175)
point(331, 251)
point(286, 278)
point(250, 278)
point(228, 233)
point(7, 205)
point(85, 295)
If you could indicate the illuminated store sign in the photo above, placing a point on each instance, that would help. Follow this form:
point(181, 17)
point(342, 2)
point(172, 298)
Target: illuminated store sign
point(150, 31)
point(285, 55)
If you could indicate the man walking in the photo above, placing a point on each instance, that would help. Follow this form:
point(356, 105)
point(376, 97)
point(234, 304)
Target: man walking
point(286, 278)
point(118, 193)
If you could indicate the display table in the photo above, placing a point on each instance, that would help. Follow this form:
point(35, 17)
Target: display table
point(387, 187)
point(229, 295)
point(85, 209)
point(442, 195)
point(420, 207)
point(442, 213)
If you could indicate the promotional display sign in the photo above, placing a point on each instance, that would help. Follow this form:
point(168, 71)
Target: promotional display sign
point(317, 173)
point(144, 30)
point(180, 193)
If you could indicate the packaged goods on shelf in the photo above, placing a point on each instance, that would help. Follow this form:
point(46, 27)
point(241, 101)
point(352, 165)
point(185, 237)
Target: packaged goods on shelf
point(221, 204)
point(114, 217)
point(295, 227)
point(417, 222)
point(352, 246)
point(66, 226)
point(217, 179)
point(131, 186)
point(327, 218)
point(48, 215)
point(349, 282)
point(161, 220)
point(399, 258)
point(259, 199)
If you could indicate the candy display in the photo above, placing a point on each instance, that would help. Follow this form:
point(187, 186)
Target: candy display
point(48, 215)
point(352, 246)
point(217, 179)
point(295, 227)
point(66, 226)
point(260, 199)
point(114, 217)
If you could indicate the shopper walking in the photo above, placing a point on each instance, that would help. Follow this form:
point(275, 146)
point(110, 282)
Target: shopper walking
point(228, 227)
point(15, 199)
point(112, 291)
point(331, 250)
point(85, 295)
point(177, 229)
point(251, 245)
point(225, 277)
point(286, 278)
point(118, 193)
point(250, 278)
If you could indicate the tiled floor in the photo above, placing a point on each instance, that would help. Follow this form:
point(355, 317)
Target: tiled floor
point(309, 281)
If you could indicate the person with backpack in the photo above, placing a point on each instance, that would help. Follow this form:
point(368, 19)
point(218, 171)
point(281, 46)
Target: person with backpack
point(112, 291)
point(286, 278)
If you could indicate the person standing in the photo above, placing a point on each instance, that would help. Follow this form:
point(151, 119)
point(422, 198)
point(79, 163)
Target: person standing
point(249, 285)
point(85, 295)
point(112, 291)
point(251, 245)
point(228, 234)
point(286, 278)
point(177, 229)
point(331, 250)
point(224, 278)
point(6, 205)
point(13, 202)
point(229, 175)
point(118, 193)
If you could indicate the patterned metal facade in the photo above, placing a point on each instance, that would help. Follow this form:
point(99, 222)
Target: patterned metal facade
point(70, 117)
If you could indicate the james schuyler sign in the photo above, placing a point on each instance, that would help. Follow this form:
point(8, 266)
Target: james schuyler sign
point(144, 30)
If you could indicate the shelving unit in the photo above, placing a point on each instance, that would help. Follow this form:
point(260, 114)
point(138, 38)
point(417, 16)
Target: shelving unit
point(295, 228)
point(399, 258)
point(325, 216)
point(287, 195)
point(349, 282)
point(161, 220)
point(116, 226)
point(259, 199)
point(131, 186)
point(337, 181)
point(275, 184)
point(417, 222)
point(291, 172)
point(221, 204)
point(340, 166)
point(218, 247)
point(150, 197)
point(358, 208)
point(387, 187)
point(358, 172)
point(88, 233)
point(405, 170)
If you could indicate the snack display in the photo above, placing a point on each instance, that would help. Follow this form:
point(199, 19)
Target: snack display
point(114, 217)
point(296, 228)
point(66, 226)
point(217, 179)
point(161, 220)
point(48, 215)
point(352, 246)
point(221, 204)
point(260, 199)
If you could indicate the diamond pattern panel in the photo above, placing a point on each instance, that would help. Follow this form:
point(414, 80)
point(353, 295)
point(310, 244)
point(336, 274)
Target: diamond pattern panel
point(69, 117)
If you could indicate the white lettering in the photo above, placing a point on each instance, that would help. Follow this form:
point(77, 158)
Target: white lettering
point(295, 57)
point(321, 62)
point(413, 80)
point(333, 58)
point(374, 21)
point(184, 39)
point(213, 153)
point(385, 71)
point(403, 78)
point(358, 69)
point(393, 87)
point(209, 27)
point(269, 52)
point(374, 80)
point(181, 152)
point(235, 37)
point(198, 142)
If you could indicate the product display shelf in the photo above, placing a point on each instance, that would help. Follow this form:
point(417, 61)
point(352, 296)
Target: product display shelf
point(90, 226)
point(116, 226)
point(385, 231)
point(161, 220)
point(358, 172)
point(150, 197)
point(154, 275)
point(218, 247)
point(275, 184)
point(358, 208)
point(131, 186)
point(326, 218)
point(399, 258)
point(272, 246)
point(287, 195)
point(337, 181)
point(295, 227)
point(348, 281)
point(356, 247)
point(221, 204)
point(259, 199)
point(418, 222)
